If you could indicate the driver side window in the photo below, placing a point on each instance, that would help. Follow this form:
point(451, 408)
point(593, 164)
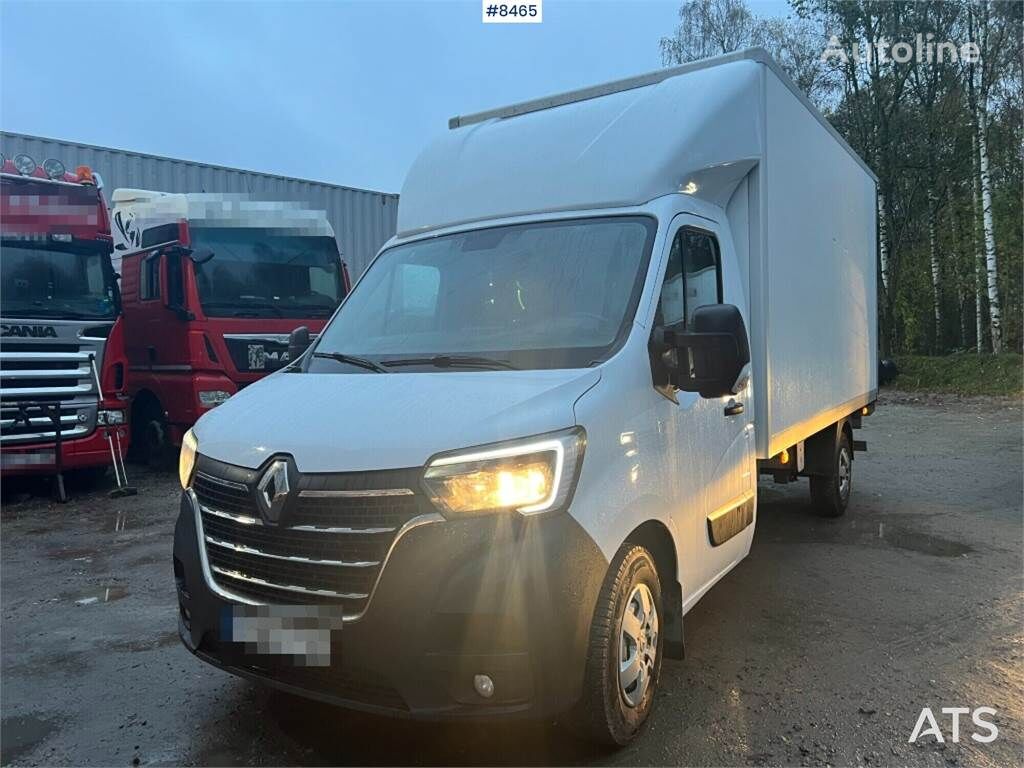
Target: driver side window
point(693, 277)
point(149, 284)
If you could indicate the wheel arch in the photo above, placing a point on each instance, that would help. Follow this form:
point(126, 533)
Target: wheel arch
point(656, 538)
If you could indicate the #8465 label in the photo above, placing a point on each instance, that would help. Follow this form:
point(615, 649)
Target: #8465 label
point(513, 13)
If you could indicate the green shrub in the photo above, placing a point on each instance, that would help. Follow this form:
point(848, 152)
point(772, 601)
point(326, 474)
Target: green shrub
point(962, 374)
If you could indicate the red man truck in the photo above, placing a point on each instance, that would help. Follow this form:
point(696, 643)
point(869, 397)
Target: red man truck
point(63, 370)
point(212, 286)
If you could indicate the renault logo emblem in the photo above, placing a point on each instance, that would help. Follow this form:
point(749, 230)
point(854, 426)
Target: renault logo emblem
point(272, 490)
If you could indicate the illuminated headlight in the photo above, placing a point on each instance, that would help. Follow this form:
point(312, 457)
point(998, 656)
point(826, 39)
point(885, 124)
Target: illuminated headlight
point(25, 164)
point(187, 458)
point(529, 476)
point(208, 398)
point(53, 168)
point(109, 418)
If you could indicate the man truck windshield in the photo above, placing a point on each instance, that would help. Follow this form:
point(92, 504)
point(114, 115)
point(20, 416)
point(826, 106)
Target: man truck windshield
point(544, 295)
point(256, 273)
point(54, 280)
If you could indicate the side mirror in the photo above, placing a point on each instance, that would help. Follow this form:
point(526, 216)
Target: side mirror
point(709, 356)
point(298, 342)
point(200, 255)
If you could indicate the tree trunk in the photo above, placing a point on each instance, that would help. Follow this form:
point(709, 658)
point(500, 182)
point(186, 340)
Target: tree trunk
point(883, 243)
point(961, 294)
point(995, 328)
point(976, 253)
point(933, 255)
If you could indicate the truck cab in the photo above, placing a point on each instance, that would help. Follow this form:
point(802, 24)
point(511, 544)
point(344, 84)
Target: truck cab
point(212, 285)
point(62, 332)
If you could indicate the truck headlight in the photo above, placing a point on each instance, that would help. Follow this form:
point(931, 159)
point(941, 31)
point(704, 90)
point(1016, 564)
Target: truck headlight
point(208, 398)
point(109, 418)
point(187, 458)
point(532, 475)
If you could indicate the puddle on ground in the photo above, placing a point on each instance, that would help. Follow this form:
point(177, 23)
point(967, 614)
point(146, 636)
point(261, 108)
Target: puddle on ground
point(118, 523)
point(20, 735)
point(165, 640)
point(97, 595)
point(783, 520)
point(916, 541)
point(73, 553)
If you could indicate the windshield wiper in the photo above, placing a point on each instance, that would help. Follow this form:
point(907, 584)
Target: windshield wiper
point(359, 362)
point(453, 361)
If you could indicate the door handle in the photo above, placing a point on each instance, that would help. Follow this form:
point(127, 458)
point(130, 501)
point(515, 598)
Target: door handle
point(733, 408)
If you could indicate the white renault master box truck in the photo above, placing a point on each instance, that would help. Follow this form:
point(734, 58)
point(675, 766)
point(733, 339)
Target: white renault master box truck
point(529, 440)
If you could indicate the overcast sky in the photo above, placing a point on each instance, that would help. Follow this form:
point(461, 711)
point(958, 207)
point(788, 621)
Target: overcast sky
point(345, 92)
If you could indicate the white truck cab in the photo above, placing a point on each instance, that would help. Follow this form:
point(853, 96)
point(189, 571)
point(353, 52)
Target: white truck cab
point(529, 440)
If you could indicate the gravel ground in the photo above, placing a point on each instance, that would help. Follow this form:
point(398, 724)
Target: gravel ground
point(821, 648)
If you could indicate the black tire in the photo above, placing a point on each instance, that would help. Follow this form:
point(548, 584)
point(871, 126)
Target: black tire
point(604, 714)
point(150, 441)
point(830, 494)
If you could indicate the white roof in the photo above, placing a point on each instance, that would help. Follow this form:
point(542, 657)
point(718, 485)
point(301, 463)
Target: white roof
point(699, 126)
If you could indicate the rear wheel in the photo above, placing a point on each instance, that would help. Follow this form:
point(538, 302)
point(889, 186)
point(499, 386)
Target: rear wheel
point(150, 437)
point(625, 650)
point(831, 494)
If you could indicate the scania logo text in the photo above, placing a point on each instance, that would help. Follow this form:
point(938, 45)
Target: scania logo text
point(272, 490)
point(33, 331)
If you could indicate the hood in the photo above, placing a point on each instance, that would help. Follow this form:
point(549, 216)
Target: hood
point(359, 422)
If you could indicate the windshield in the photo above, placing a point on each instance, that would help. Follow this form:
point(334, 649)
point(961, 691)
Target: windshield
point(545, 295)
point(256, 273)
point(55, 280)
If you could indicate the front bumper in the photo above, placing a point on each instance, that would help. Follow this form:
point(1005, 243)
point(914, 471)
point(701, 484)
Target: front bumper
point(502, 595)
point(92, 450)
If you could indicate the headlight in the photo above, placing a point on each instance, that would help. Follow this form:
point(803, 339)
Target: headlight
point(529, 476)
point(187, 458)
point(208, 398)
point(105, 418)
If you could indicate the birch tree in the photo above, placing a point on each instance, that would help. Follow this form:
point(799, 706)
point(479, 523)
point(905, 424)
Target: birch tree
point(980, 75)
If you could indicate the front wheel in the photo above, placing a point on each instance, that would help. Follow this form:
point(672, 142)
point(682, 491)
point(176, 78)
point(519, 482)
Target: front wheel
point(831, 494)
point(625, 650)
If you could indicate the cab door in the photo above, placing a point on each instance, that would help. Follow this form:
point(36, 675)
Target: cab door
point(717, 432)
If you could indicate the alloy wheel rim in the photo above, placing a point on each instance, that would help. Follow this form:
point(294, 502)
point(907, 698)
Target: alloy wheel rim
point(638, 645)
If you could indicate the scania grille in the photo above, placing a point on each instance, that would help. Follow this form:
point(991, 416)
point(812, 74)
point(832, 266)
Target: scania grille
point(27, 424)
point(330, 546)
point(32, 373)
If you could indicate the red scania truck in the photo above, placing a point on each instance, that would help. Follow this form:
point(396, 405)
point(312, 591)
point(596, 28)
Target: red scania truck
point(62, 361)
point(212, 286)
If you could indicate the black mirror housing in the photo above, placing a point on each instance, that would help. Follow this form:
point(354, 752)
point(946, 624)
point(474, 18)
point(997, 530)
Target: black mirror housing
point(298, 343)
point(200, 255)
point(709, 356)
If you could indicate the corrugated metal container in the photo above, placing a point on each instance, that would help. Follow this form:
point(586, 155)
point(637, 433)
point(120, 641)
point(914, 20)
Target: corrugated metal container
point(363, 220)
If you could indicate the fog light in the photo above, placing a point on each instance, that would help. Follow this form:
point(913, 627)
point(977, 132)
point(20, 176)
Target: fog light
point(484, 685)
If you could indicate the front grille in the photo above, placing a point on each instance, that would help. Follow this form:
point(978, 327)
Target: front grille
point(33, 373)
point(30, 423)
point(329, 547)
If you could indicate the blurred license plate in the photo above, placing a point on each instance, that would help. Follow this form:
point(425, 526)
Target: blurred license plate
point(33, 459)
point(308, 634)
